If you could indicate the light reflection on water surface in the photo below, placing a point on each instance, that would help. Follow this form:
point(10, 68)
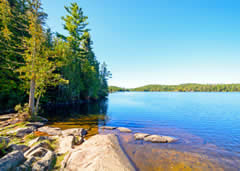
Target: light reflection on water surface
point(207, 125)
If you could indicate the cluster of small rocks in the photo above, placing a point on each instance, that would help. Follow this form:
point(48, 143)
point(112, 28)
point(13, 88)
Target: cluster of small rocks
point(144, 136)
point(38, 155)
point(121, 129)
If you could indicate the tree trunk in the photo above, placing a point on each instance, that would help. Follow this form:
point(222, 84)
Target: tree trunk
point(37, 104)
point(31, 97)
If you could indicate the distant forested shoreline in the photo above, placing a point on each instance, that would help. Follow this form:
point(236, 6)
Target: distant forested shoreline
point(182, 88)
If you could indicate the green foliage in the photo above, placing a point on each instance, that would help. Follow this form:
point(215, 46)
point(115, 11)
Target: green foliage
point(36, 62)
point(12, 32)
point(22, 109)
point(86, 80)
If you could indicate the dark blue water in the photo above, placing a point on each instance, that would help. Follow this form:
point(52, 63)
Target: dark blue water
point(214, 117)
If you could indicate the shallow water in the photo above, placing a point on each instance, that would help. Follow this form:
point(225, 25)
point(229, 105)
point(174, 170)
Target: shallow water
point(206, 124)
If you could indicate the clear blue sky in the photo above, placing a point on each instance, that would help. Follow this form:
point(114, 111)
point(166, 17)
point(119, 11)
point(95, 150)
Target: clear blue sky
point(161, 41)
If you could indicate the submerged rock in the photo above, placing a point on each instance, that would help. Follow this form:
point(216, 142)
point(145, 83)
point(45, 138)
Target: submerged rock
point(100, 152)
point(11, 160)
point(50, 130)
point(123, 129)
point(159, 139)
point(140, 136)
point(75, 132)
point(108, 127)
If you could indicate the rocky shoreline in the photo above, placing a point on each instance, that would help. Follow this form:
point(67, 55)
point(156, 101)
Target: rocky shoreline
point(35, 146)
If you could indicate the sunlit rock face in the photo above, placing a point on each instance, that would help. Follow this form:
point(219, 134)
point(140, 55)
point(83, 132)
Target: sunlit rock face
point(100, 152)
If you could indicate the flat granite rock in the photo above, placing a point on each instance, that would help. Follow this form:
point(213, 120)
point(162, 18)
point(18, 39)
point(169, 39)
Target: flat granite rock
point(140, 136)
point(50, 130)
point(75, 132)
point(98, 153)
point(123, 129)
point(108, 127)
point(159, 139)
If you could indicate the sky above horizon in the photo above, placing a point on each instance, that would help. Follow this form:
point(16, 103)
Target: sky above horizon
point(162, 42)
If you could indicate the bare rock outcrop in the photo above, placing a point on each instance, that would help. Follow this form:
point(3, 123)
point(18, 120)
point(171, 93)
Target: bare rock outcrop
point(100, 152)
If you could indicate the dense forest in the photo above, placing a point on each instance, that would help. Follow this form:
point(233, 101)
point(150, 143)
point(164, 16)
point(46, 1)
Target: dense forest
point(39, 66)
point(183, 88)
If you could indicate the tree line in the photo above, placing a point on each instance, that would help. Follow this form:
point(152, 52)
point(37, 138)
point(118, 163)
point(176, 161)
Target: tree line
point(183, 88)
point(39, 66)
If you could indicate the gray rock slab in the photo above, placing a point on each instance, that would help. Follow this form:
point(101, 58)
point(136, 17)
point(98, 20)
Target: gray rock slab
point(28, 153)
point(11, 160)
point(45, 162)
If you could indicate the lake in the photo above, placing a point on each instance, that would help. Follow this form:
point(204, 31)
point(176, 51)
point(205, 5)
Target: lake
point(207, 126)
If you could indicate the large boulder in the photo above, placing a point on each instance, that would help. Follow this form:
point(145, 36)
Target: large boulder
point(75, 132)
point(65, 144)
point(140, 136)
point(50, 130)
point(159, 139)
point(100, 152)
point(11, 160)
point(123, 129)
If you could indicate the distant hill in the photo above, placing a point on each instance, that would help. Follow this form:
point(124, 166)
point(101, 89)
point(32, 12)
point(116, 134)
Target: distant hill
point(191, 87)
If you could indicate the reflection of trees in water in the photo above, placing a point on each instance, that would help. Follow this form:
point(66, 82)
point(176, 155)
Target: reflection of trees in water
point(71, 111)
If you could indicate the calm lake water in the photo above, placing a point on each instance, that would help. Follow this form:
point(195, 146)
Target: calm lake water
point(206, 124)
